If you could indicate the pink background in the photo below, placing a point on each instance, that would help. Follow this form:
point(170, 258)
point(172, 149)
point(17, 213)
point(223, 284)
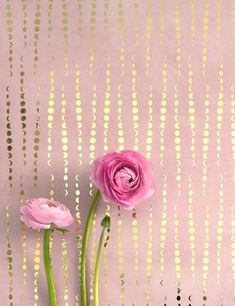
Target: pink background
point(79, 78)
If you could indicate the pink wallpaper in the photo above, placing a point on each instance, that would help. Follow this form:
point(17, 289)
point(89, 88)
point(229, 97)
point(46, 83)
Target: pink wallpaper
point(80, 78)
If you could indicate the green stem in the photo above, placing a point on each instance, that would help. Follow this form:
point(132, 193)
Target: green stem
point(106, 225)
point(48, 269)
point(97, 269)
point(84, 248)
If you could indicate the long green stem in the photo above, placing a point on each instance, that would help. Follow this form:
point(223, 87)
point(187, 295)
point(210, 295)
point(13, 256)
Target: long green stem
point(97, 268)
point(105, 224)
point(84, 248)
point(48, 269)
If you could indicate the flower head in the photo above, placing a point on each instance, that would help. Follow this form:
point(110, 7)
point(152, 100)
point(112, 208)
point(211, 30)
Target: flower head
point(42, 213)
point(125, 178)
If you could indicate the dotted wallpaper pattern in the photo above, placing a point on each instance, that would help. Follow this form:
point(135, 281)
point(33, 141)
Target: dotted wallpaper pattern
point(79, 78)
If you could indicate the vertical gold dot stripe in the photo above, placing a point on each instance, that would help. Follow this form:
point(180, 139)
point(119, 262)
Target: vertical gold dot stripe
point(64, 140)
point(79, 121)
point(218, 22)
point(25, 19)
point(50, 116)
point(191, 229)
point(64, 143)
point(65, 26)
point(148, 27)
point(193, 21)
point(163, 230)
point(205, 35)
point(219, 117)
point(205, 148)
point(9, 138)
point(121, 29)
point(9, 257)
point(219, 231)
point(134, 102)
point(37, 260)
point(162, 20)
point(135, 23)
point(80, 18)
point(205, 140)
point(191, 111)
point(23, 112)
point(150, 217)
point(9, 146)
point(92, 28)
point(106, 17)
point(65, 270)
point(107, 106)
point(149, 138)
point(178, 35)
point(206, 249)
point(177, 139)
point(136, 246)
point(121, 260)
point(9, 142)
point(177, 255)
point(121, 135)
point(93, 129)
point(163, 117)
point(36, 139)
point(37, 21)
point(163, 111)
point(49, 21)
point(23, 120)
point(10, 27)
point(23, 237)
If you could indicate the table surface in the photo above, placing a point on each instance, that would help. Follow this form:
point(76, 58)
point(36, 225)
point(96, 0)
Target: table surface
point(80, 78)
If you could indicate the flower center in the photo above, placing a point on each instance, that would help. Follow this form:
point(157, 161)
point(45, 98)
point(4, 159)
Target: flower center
point(51, 205)
point(125, 178)
point(48, 205)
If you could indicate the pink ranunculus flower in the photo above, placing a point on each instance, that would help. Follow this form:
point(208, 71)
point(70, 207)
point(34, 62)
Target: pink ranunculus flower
point(42, 213)
point(125, 178)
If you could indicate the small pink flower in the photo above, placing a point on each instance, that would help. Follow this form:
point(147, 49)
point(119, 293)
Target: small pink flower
point(125, 178)
point(42, 213)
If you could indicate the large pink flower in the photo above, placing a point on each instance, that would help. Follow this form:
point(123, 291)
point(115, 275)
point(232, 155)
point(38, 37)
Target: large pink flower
point(42, 213)
point(125, 178)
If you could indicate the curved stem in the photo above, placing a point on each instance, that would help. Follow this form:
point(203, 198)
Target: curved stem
point(97, 269)
point(48, 269)
point(84, 248)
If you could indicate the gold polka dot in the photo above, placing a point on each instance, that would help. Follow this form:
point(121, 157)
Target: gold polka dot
point(205, 260)
point(149, 260)
point(193, 268)
point(205, 268)
point(178, 268)
point(177, 260)
point(37, 259)
point(177, 252)
point(148, 268)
